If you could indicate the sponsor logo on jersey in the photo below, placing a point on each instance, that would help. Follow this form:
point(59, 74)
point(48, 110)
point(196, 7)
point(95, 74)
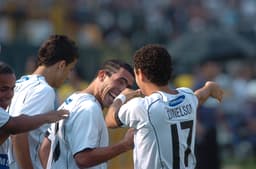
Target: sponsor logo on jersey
point(22, 79)
point(68, 100)
point(176, 101)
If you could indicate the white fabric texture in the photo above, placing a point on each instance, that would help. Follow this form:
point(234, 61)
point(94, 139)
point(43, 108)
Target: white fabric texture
point(32, 96)
point(85, 128)
point(164, 123)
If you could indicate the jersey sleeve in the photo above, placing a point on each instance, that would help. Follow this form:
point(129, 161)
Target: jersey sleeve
point(133, 114)
point(190, 92)
point(38, 101)
point(83, 128)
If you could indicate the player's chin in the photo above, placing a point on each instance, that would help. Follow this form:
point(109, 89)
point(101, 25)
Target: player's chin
point(5, 104)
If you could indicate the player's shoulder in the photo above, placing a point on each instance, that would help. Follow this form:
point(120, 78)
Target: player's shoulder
point(185, 90)
point(136, 101)
point(140, 102)
point(44, 89)
point(31, 82)
point(82, 101)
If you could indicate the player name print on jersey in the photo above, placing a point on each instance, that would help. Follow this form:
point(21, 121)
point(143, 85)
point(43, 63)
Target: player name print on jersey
point(176, 109)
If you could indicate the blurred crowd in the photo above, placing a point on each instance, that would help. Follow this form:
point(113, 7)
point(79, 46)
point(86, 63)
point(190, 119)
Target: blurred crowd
point(228, 130)
point(129, 24)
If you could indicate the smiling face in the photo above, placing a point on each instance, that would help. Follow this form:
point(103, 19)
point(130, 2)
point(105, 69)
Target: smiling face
point(7, 84)
point(114, 84)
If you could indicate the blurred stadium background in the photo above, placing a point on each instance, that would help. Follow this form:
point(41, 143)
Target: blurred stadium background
point(192, 30)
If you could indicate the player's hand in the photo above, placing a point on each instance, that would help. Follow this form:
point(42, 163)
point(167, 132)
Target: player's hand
point(54, 116)
point(130, 93)
point(216, 91)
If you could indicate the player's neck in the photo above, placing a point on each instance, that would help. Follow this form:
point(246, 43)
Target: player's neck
point(47, 73)
point(154, 88)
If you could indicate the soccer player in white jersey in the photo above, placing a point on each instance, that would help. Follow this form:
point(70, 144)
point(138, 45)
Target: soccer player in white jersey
point(164, 120)
point(13, 125)
point(81, 141)
point(35, 94)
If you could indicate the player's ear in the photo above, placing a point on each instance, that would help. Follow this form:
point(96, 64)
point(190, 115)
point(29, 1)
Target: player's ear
point(140, 74)
point(61, 64)
point(101, 74)
point(135, 71)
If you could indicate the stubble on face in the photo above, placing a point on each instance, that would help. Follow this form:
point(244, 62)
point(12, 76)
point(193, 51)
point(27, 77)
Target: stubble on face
point(7, 84)
point(115, 84)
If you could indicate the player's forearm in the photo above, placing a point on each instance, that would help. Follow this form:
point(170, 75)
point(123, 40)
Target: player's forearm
point(112, 112)
point(89, 158)
point(24, 123)
point(202, 95)
point(21, 151)
point(44, 151)
point(210, 89)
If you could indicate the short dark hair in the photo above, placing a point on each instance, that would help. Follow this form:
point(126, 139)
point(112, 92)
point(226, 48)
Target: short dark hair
point(113, 65)
point(5, 68)
point(57, 48)
point(155, 63)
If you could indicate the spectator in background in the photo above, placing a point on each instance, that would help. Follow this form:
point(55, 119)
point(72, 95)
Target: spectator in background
point(34, 94)
point(207, 149)
point(247, 128)
point(236, 106)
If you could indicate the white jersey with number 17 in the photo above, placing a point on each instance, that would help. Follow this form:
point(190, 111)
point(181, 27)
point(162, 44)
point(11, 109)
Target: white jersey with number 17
point(165, 129)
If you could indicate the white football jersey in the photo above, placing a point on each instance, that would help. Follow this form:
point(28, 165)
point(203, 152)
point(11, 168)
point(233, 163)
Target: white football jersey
point(165, 129)
point(32, 96)
point(85, 128)
point(4, 117)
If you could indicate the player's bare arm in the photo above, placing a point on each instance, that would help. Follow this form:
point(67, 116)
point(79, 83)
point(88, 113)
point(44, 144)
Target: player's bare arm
point(92, 157)
point(22, 152)
point(25, 123)
point(44, 151)
point(210, 89)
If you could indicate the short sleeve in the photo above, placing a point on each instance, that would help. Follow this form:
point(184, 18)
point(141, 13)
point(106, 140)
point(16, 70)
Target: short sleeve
point(191, 93)
point(83, 128)
point(133, 114)
point(40, 101)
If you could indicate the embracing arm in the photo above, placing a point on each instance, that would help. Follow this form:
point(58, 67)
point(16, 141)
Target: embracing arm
point(110, 117)
point(210, 89)
point(20, 141)
point(24, 123)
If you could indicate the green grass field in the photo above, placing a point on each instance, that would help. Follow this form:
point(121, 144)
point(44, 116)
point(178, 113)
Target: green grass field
point(236, 164)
